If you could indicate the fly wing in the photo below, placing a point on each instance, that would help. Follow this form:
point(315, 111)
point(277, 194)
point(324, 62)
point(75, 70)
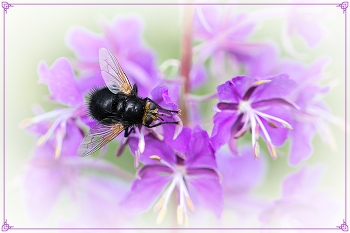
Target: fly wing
point(113, 73)
point(99, 136)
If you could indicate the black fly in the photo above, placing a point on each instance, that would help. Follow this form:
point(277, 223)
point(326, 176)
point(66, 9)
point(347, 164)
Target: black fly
point(118, 107)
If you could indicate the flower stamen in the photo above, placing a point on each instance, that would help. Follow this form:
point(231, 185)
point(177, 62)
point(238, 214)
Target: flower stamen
point(163, 202)
point(267, 116)
point(268, 139)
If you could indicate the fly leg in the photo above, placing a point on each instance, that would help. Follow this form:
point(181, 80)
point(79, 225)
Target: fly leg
point(159, 107)
point(128, 131)
point(161, 123)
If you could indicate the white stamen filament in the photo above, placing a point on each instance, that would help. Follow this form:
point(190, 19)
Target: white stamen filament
point(163, 202)
point(45, 116)
point(253, 127)
point(184, 198)
point(253, 116)
point(61, 115)
point(264, 115)
point(141, 144)
point(178, 127)
point(43, 139)
point(136, 159)
point(267, 136)
point(59, 139)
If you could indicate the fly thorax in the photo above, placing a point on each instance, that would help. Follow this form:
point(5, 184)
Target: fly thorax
point(133, 110)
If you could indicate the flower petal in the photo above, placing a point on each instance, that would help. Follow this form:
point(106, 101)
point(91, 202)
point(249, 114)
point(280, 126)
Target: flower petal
point(208, 192)
point(182, 142)
point(161, 96)
point(144, 193)
point(301, 147)
point(61, 82)
point(279, 87)
point(241, 173)
point(42, 186)
point(221, 133)
point(84, 43)
point(151, 170)
point(200, 153)
point(234, 89)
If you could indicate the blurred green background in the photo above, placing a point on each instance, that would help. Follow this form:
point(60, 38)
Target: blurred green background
point(36, 33)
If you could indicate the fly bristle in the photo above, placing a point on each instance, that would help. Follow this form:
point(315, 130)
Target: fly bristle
point(89, 96)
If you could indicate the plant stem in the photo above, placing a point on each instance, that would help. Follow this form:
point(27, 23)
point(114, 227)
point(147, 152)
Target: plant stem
point(186, 60)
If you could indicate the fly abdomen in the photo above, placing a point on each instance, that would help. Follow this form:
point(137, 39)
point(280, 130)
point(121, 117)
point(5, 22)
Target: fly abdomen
point(100, 103)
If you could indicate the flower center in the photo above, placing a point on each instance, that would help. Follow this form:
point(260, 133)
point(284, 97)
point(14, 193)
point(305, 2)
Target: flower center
point(244, 106)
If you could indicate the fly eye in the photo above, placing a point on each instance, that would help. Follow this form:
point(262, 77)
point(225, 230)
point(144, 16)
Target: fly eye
point(148, 120)
point(152, 106)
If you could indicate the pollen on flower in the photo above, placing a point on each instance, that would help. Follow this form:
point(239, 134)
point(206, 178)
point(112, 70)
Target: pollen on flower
point(261, 82)
point(155, 157)
point(185, 201)
point(25, 123)
point(57, 152)
point(161, 214)
point(159, 204)
point(272, 150)
point(180, 214)
point(189, 203)
point(286, 125)
point(256, 149)
point(41, 140)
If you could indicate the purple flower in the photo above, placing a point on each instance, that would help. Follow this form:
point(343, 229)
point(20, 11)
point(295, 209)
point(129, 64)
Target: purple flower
point(65, 89)
point(123, 36)
point(313, 114)
point(223, 37)
point(302, 204)
point(190, 169)
point(258, 102)
point(87, 185)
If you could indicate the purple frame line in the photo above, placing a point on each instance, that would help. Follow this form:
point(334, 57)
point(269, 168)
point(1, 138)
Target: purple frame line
point(4, 125)
point(174, 4)
point(181, 229)
point(346, 131)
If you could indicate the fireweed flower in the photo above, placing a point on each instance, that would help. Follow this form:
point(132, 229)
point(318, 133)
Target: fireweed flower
point(192, 173)
point(64, 89)
point(123, 36)
point(260, 103)
point(223, 37)
point(161, 96)
point(314, 115)
point(47, 183)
